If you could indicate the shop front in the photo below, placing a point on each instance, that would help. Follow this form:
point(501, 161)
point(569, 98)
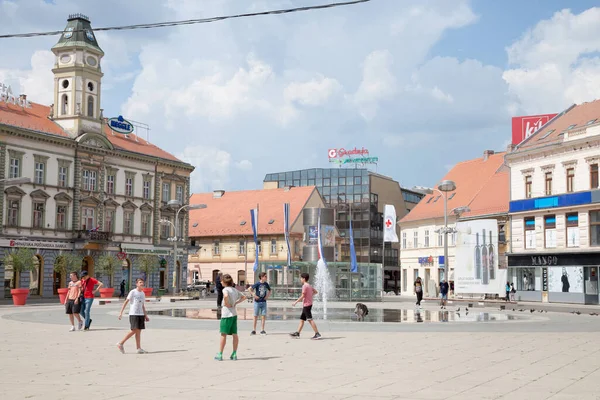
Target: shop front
point(555, 277)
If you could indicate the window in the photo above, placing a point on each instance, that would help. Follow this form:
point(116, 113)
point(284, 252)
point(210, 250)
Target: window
point(13, 212)
point(165, 230)
point(548, 176)
point(594, 228)
point(146, 190)
point(530, 233)
point(216, 248)
point(89, 180)
point(242, 248)
point(550, 231)
point(146, 224)
point(128, 222)
point(110, 184)
point(90, 106)
point(426, 238)
point(181, 228)
point(594, 176)
point(88, 220)
point(63, 176)
point(61, 217)
point(40, 167)
point(440, 239)
point(259, 247)
point(326, 181)
point(109, 220)
point(166, 192)
point(273, 246)
point(358, 180)
point(38, 215)
point(15, 168)
point(570, 179)
point(179, 194)
point(129, 186)
point(528, 184)
point(572, 220)
point(453, 239)
point(65, 102)
point(403, 240)
point(415, 239)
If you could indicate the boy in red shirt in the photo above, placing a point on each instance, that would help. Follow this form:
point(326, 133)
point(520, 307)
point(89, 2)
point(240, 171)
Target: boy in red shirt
point(307, 301)
point(88, 283)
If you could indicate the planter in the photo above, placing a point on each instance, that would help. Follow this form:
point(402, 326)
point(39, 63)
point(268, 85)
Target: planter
point(19, 296)
point(148, 291)
point(62, 295)
point(107, 293)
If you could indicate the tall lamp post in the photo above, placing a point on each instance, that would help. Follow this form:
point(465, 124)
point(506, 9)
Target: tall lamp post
point(177, 203)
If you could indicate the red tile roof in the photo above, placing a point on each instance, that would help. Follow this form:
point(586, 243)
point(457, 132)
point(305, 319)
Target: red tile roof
point(223, 215)
point(36, 119)
point(482, 185)
point(574, 117)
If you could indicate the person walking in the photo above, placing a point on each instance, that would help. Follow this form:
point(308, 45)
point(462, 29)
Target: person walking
point(228, 325)
point(507, 289)
point(261, 292)
point(419, 290)
point(219, 289)
point(122, 289)
point(137, 316)
point(72, 303)
point(444, 294)
point(88, 283)
point(307, 302)
point(512, 292)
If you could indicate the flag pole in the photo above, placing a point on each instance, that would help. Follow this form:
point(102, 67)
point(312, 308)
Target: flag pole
point(257, 240)
point(350, 264)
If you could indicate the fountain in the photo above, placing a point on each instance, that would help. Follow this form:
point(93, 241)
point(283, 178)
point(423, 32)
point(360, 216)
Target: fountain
point(324, 286)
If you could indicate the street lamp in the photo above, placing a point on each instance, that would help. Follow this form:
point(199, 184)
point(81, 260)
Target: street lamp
point(177, 203)
point(15, 181)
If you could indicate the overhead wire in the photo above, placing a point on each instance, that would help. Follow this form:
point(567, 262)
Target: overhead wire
point(191, 21)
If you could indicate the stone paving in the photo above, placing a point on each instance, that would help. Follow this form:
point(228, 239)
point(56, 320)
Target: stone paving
point(547, 356)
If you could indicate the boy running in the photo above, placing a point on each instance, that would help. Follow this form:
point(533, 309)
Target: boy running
point(137, 316)
point(307, 302)
point(72, 304)
point(261, 291)
point(231, 298)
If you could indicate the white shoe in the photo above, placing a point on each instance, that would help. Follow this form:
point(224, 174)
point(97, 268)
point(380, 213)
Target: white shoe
point(80, 326)
point(141, 351)
point(121, 348)
point(72, 329)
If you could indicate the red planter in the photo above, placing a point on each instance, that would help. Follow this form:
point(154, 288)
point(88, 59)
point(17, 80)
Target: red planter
point(62, 295)
point(107, 293)
point(19, 296)
point(148, 291)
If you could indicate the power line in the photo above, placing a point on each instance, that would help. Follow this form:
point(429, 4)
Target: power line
point(190, 21)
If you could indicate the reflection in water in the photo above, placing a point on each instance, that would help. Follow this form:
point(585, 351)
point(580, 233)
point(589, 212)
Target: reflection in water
point(345, 314)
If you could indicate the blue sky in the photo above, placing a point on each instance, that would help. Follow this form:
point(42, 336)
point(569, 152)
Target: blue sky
point(423, 84)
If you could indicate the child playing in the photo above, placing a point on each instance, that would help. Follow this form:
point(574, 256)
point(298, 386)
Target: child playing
point(261, 291)
point(231, 298)
point(137, 316)
point(72, 303)
point(307, 302)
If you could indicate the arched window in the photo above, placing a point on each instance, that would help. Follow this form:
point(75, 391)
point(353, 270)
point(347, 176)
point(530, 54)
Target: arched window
point(90, 107)
point(241, 277)
point(64, 105)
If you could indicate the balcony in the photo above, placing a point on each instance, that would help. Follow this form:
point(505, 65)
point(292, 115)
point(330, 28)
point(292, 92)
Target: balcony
point(93, 236)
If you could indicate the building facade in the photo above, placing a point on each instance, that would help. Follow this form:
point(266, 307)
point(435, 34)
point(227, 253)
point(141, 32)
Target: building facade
point(481, 193)
point(555, 209)
point(357, 195)
point(71, 184)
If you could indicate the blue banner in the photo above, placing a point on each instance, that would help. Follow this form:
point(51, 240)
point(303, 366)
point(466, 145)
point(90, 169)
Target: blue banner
point(254, 218)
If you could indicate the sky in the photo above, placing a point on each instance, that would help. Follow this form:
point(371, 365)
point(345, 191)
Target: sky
point(422, 84)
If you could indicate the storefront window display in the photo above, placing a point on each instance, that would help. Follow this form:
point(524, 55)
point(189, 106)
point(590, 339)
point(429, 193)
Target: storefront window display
point(526, 279)
point(565, 279)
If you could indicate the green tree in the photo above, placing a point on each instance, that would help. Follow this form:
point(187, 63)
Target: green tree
point(66, 263)
point(107, 265)
point(21, 260)
point(148, 264)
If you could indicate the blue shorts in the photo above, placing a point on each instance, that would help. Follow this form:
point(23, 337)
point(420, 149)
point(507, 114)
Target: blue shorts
point(444, 296)
point(260, 309)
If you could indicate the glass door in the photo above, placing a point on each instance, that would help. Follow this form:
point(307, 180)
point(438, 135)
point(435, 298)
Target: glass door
point(591, 285)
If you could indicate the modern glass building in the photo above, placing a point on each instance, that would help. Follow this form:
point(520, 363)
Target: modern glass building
point(357, 195)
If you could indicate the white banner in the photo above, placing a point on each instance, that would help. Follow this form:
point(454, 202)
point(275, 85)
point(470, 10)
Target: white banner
point(476, 267)
point(35, 244)
point(389, 224)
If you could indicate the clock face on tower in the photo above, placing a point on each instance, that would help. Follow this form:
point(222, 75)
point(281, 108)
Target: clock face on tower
point(89, 35)
point(68, 33)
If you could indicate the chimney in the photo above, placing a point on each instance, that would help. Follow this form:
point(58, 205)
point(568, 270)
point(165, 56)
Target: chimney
point(510, 148)
point(487, 154)
point(217, 194)
point(288, 188)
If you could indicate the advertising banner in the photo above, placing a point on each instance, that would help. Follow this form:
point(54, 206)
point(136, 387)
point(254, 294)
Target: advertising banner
point(476, 269)
point(523, 127)
point(565, 279)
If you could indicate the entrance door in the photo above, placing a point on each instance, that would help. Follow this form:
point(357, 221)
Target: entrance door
point(591, 285)
point(56, 278)
point(427, 279)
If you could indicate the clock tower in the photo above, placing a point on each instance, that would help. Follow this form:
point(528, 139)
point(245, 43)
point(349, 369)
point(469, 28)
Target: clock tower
point(77, 78)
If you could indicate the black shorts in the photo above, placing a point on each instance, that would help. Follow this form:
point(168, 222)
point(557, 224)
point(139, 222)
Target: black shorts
point(137, 322)
point(306, 313)
point(72, 308)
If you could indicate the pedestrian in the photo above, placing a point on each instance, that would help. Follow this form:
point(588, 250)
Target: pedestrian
point(72, 302)
point(419, 290)
point(137, 316)
point(219, 289)
point(307, 301)
point(444, 294)
point(232, 297)
point(512, 291)
point(261, 292)
point(122, 288)
point(88, 284)
point(507, 289)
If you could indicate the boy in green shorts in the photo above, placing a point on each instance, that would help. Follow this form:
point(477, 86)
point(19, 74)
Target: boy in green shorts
point(231, 298)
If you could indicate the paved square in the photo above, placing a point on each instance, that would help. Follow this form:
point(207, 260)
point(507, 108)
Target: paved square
point(542, 356)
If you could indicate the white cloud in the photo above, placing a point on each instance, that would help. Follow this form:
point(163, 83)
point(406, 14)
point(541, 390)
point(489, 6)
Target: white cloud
point(213, 167)
point(315, 92)
point(378, 83)
point(36, 82)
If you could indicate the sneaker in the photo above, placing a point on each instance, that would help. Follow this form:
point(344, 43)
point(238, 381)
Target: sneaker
point(219, 357)
point(317, 336)
point(253, 333)
point(121, 348)
point(295, 335)
point(80, 325)
point(263, 332)
point(142, 351)
point(72, 329)
point(233, 357)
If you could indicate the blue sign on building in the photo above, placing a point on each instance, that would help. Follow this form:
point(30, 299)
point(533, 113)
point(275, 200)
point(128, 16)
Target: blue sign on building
point(563, 200)
point(120, 125)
